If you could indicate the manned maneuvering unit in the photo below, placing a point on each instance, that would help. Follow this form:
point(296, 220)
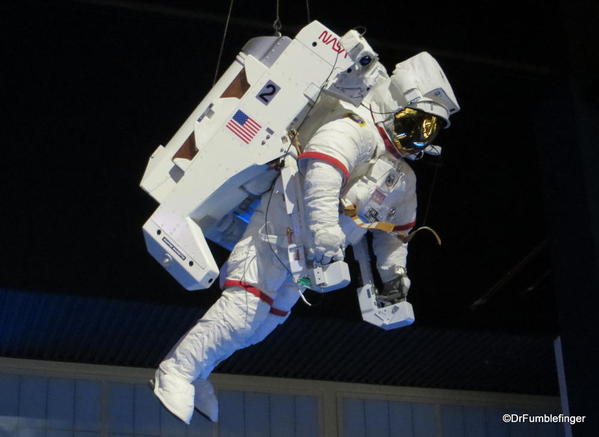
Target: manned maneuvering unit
point(209, 177)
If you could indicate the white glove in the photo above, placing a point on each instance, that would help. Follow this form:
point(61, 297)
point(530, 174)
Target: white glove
point(329, 243)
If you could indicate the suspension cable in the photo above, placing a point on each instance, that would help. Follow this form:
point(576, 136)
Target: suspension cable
point(276, 25)
point(308, 10)
point(222, 44)
point(430, 194)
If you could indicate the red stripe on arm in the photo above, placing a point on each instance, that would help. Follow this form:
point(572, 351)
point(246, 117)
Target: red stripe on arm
point(329, 159)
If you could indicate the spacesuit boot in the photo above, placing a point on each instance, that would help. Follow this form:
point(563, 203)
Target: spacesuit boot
point(205, 401)
point(395, 290)
point(175, 393)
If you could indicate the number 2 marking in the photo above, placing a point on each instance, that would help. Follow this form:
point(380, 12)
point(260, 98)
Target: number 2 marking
point(271, 91)
point(268, 92)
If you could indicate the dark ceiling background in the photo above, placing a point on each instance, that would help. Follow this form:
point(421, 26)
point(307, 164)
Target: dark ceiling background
point(91, 87)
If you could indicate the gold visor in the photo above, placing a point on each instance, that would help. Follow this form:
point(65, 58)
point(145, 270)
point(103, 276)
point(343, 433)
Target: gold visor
point(413, 130)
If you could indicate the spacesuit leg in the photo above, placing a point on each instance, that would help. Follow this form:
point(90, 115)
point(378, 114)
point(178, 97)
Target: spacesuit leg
point(255, 271)
point(285, 299)
point(220, 332)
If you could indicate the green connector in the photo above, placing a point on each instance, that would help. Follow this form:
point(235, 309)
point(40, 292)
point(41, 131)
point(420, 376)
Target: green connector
point(305, 282)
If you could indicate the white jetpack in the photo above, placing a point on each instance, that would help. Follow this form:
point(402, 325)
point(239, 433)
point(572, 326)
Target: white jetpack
point(209, 176)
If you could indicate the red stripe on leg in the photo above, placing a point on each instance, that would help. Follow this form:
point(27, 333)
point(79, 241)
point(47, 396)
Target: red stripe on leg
point(278, 312)
point(250, 289)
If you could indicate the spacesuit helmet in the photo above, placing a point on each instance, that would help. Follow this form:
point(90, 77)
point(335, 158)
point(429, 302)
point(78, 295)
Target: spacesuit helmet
point(418, 101)
point(413, 130)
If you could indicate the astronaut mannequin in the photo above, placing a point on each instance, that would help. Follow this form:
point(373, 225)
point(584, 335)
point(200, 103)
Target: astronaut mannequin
point(342, 145)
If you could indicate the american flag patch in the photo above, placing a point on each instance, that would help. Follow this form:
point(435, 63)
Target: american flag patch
point(244, 126)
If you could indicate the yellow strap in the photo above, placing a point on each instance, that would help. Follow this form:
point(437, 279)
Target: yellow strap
point(351, 211)
point(295, 140)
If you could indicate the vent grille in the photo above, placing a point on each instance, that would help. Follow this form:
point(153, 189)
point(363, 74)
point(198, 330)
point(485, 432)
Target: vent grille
point(131, 333)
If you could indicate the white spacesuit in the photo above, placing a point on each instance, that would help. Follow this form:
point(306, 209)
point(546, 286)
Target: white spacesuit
point(352, 160)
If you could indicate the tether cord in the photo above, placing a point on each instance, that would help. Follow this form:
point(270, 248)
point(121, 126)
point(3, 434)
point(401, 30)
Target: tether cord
point(308, 10)
point(222, 44)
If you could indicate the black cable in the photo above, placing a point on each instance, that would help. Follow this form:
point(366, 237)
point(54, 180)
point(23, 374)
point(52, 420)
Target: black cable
point(430, 195)
point(382, 113)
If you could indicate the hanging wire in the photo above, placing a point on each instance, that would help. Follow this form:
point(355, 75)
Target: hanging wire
point(430, 194)
point(276, 25)
point(308, 10)
point(222, 44)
